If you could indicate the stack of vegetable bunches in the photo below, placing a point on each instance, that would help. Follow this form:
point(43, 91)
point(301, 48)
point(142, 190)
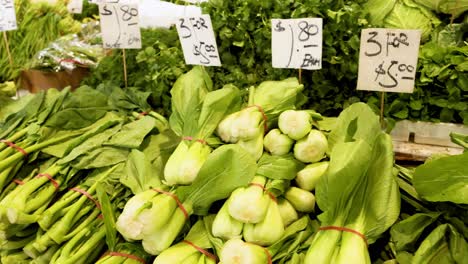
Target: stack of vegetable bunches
point(107, 180)
point(63, 159)
point(263, 161)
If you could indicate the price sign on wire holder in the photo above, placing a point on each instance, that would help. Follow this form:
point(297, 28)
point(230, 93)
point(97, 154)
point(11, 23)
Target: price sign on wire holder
point(198, 40)
point(120, 25)
point(388, 59)
point(297, 43)
point(7, 15)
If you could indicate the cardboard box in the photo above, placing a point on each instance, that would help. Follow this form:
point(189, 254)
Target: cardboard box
point(37, 80)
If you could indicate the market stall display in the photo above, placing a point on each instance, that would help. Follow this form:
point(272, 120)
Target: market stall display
point(152, 160)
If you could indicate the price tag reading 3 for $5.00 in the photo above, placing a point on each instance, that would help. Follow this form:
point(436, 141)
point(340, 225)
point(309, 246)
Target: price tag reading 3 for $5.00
point(119, 25)
point(7, 15)
point(297, 43)
point(198, 41)
point(388, 59)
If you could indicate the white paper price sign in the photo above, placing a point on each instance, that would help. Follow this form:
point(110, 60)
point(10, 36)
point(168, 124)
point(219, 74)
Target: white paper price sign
point(198, 41)
point(75, 6)
point(388, 60)
point(119, 25)
point(7, 15)
point(297, 43)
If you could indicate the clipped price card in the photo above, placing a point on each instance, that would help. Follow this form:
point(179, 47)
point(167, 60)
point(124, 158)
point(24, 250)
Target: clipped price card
point(388, 59)
point(198, 41)
point(7, 15)
point(120, 26)
point(297, 43)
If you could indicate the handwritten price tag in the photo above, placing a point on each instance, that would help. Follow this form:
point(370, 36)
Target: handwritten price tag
point(7, 15)
point(297, 43)
point(120, 25)
point(388, 60)
point(198, 41)
point(75, 6)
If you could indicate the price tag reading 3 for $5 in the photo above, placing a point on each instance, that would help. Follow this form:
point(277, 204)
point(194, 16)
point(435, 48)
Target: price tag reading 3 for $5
point(7, 15)
point(297, 43)
point(388, 59)
point(198, 41)
point(119, 25)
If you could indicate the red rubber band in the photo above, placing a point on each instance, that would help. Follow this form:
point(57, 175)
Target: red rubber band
point(13, 145)
point(49, 177)
point(144, 113)
point(201, 250)
point(345, 229)
point(268, 255)
point(181, 206)
point(83, 192)
point(265, 118)
point(125, 255)
point(101, 217)
point(191, 138)
point(18, 181)
point(263, 188)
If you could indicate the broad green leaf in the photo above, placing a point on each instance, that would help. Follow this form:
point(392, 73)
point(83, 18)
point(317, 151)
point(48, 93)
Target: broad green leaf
point(198, 235)
point(188, 94)
point(443, 245)
point(381, 196)
point(227, 168)
point(348, 164)
point(101, 157)
point(443, 179)
point(132, 134)
point(62, 149)
point(81, 109)
point(406, 233)
point(278, 167)
point(90, 144)
point(358, 121)
point(139, 175)
point(216, 105)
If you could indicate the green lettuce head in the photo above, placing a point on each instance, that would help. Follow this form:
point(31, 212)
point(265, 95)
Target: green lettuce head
point(402, 14)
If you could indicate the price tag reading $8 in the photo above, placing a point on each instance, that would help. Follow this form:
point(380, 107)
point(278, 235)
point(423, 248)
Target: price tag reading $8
point(388, 59)
point(120, 25)
point(297, 43)
point(198, 41)
point(7, 15)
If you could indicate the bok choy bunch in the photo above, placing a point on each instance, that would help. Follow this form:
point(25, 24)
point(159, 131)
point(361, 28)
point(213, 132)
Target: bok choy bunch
point(266, 102)
point(193, 249)
point(196, 112)
point(227, 168)
point(359, 194)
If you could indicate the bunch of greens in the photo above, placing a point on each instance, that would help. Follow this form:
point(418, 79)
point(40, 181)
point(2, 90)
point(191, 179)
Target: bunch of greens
point(359, 191)
point(196, 112)
point(433, 223)
point(38, 24)
point(153, 69)
point(60, 197)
